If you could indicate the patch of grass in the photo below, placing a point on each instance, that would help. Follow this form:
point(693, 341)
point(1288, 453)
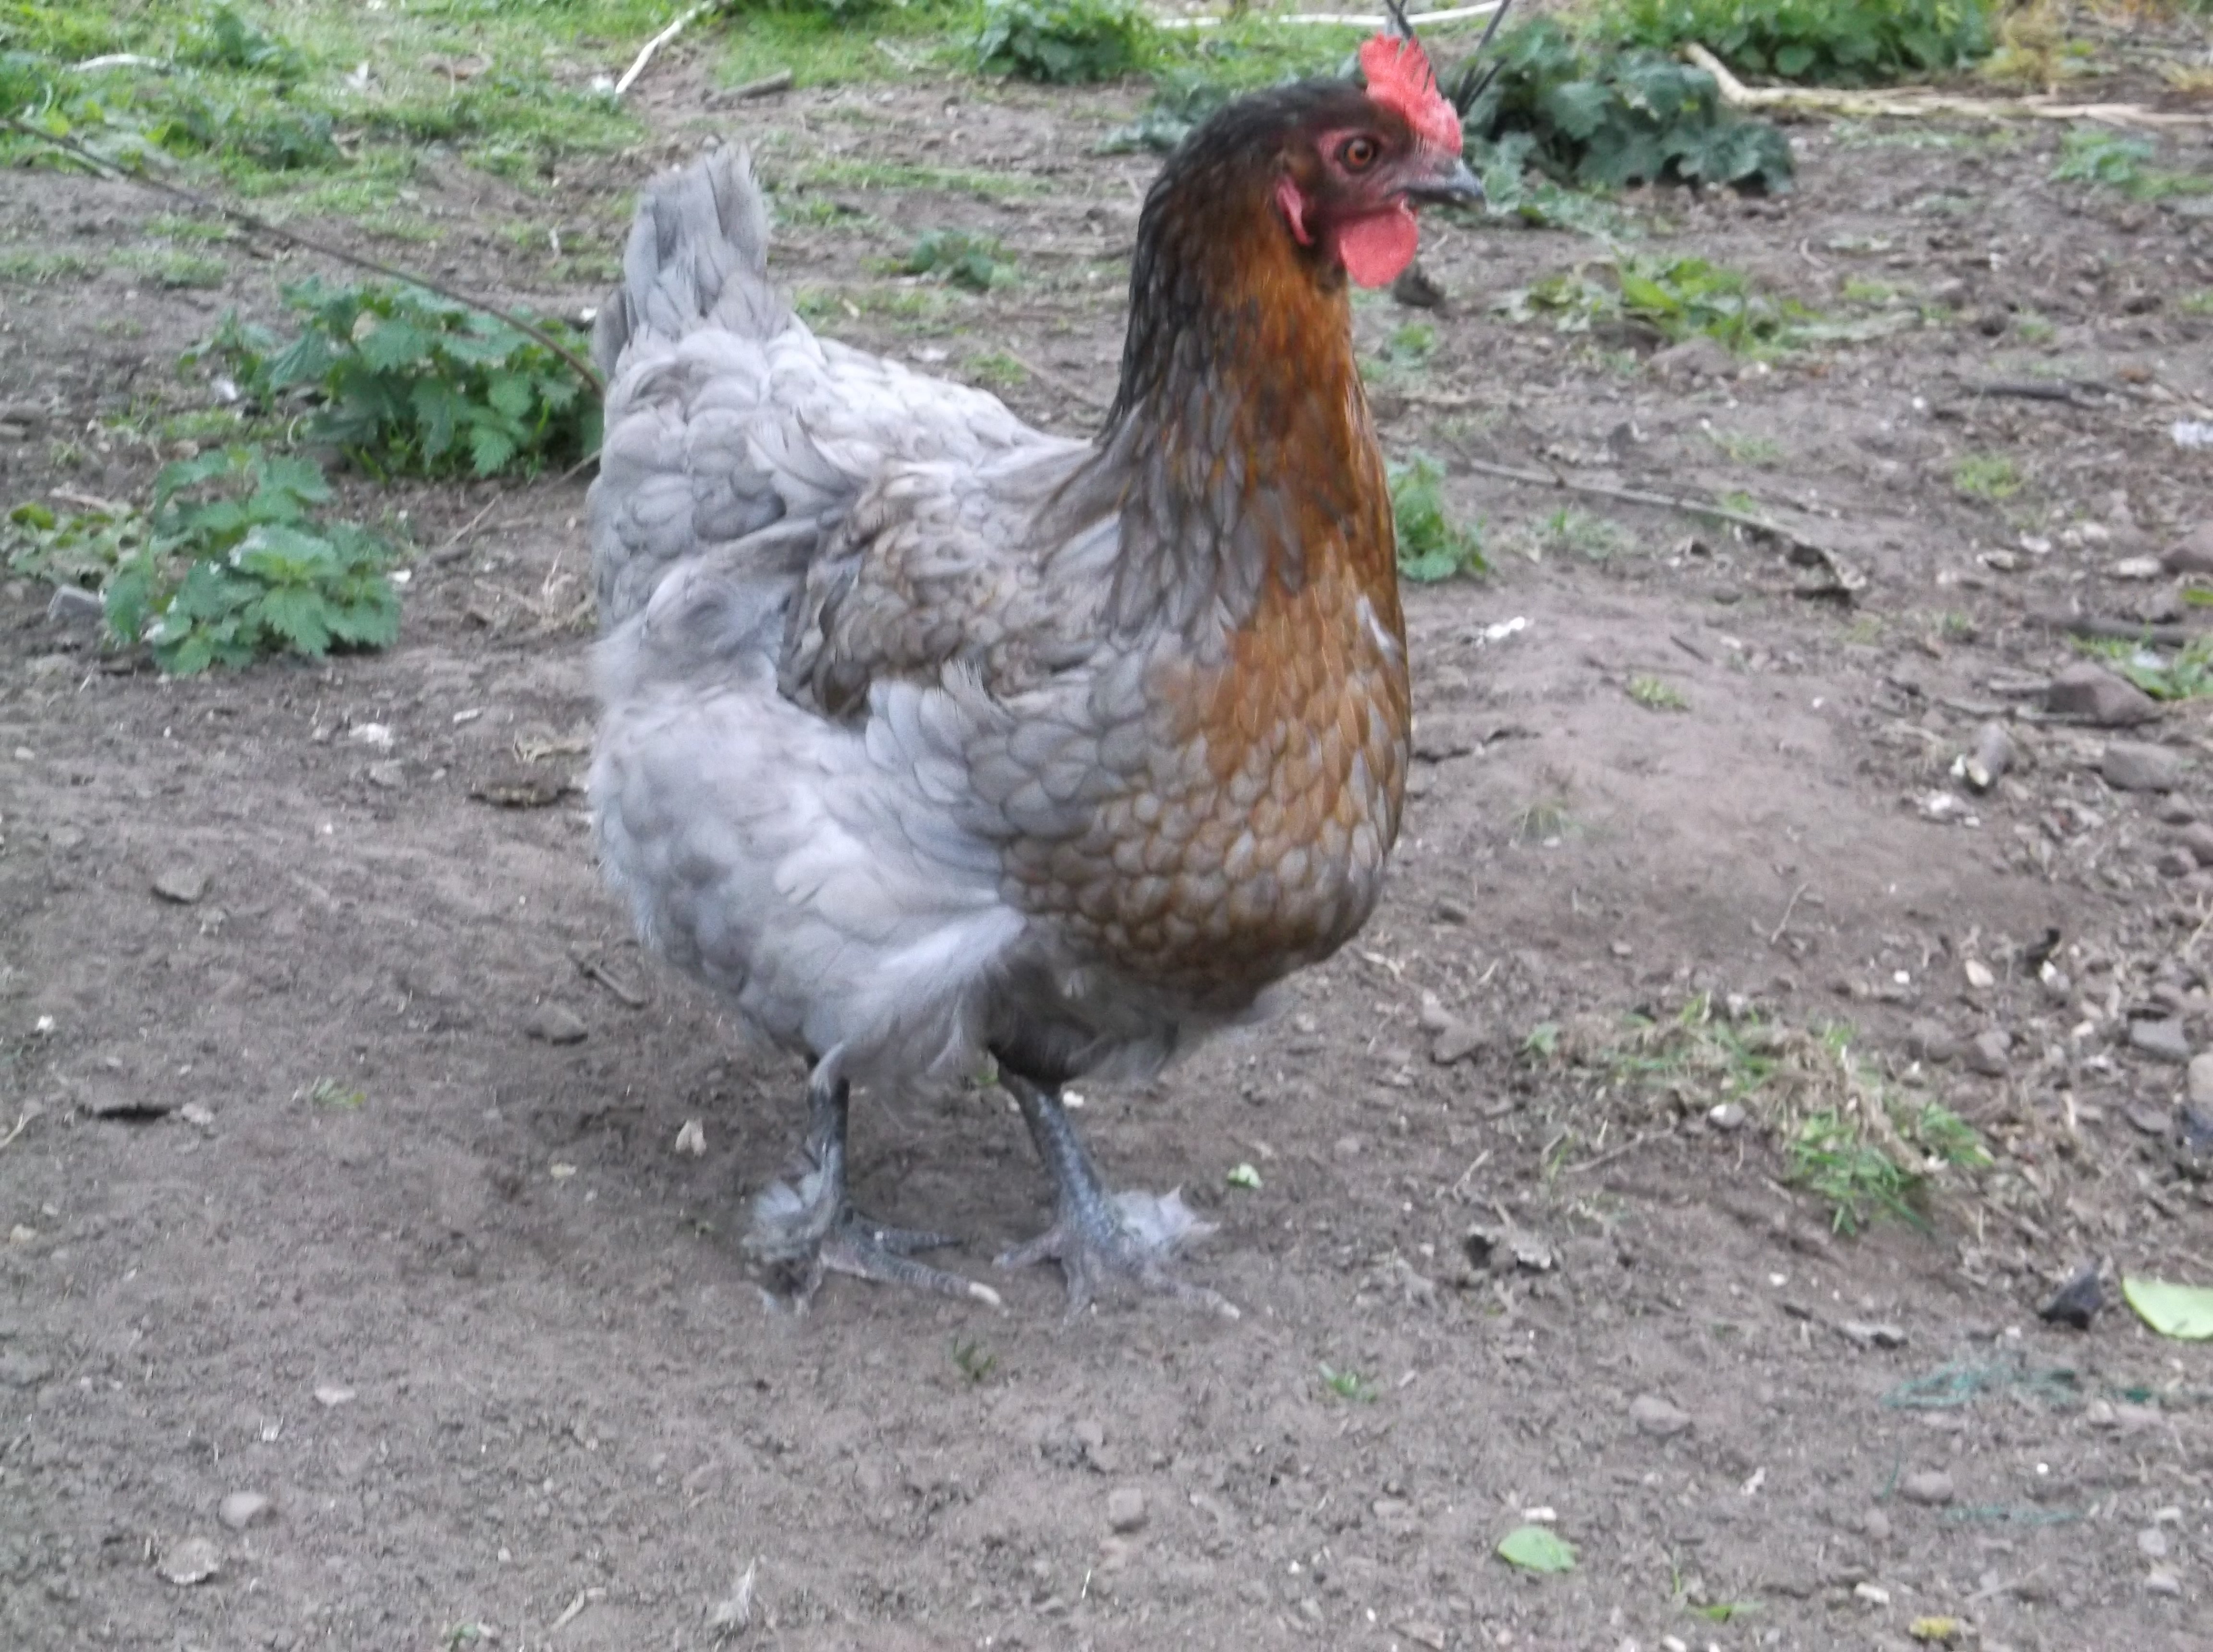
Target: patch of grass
point(2033, 328)
point(1681, 297)
point(1589, 535)
point(1547, 820)
point(1609, 118)
point(2197, 303)
point(168, 267)
point(974, 1360)
point(1859, 289)
point(979, 263)
point(995, 369)
point(1744, 449)
point(406, 383)
point(1182, 98)
point(1064, 42)
point(20, 266)
point(2096, 154)
point(237, 563)
point(904, 179)
point(1825, 42)
point(1990, 477)
point(1348, 1385)
point(2185, 674)
point(1404, 355)
point(82, 548)
point(1432, 545)
point(1864, 1178)
point(1656, 694)
point(332, 1094)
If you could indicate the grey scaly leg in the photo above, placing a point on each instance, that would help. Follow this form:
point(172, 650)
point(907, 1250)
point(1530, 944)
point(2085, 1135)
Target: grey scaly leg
point(1097, 1235)
point(808, 1221)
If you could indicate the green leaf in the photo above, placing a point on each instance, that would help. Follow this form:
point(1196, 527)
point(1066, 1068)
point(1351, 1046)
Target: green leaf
point(1537, 1548)
point(1578, 107)
point(296, 615)
point(511, 393)
point(392, 344)
point(489, 448)
point(2183, 1312)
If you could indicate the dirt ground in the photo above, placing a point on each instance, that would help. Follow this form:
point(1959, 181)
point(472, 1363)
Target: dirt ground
point(350, 1182)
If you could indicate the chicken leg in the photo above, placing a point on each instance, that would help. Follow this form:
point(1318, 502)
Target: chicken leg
point(807, 1221)
point(1097, 1235)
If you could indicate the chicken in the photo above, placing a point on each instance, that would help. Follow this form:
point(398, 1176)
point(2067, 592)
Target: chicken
point(927, 737)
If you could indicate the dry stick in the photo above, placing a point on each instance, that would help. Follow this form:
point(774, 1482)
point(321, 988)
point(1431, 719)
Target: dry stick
point(1790, 906)
point(1639, 497)
point(22, 1124)
point(779, 81)
point(645, 52)
point(248, 222)
point(1922, 101)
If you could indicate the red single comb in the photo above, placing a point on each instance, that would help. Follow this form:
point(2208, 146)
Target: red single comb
point(1400, 77)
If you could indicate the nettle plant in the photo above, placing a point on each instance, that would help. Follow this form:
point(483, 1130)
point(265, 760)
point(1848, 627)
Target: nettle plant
point(405, 383)
point(237, 562)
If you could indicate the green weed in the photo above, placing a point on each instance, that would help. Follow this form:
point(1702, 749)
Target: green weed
point(974, 1360)
point(1432, 547)
point(979, 263)
point(405, 383)
point(2186, 673)
point(1348, 1385)
point(995, 370)
point(82, 548)
point(1834, 1156)
point(1181, 100)
point(168, 267)
point(233, 563)
point(22, 267)
point(332, 1094)
point(1656, 694)
point(1065, 42)
point(1833, 42)
point(1589, 535)
point(1680, 297)
point(2094, 154)
point(1746, 450)
point(1990, 477)
point(2197, 303)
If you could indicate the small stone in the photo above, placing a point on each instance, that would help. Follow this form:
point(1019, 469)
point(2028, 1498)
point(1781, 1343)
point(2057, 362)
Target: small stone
point(2076, 1302)
point(1727, 1116)
point(1433, 1017)
point(1990, 760)
point(2162, 1040)
point(181, 885)
point(72, 605)
point(389, 775)
point(1875, 1525)
point(691, 1138)
point(243, 1508)
point(1929, 1486)
point(1656, 1417)
point(1448, 911)
point(1979, 975)
point(2151, 1543)
point(2151, 1119)
point(2096, 696)
point(2132, 766)
point(1874, 1593)
point(1125, 1510)
point(332, 1395)
point(194, 1114)
point(2197, 837)
point(1697, 358)
point(2200, 1082)
point(2175, 861)
point(1456, 1043)
point(554, 1024)
point(2163, 1580)
point(1930, 1041)
point(1990, 1052)
point(193, 1561)
point(1863, 1334)
point(375, 734)
point(2192, 553)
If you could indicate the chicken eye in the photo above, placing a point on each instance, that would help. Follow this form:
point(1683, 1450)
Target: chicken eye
point(1358, 153)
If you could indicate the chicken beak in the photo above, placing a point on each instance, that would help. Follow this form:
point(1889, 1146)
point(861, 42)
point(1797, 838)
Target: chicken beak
point(1451, 184)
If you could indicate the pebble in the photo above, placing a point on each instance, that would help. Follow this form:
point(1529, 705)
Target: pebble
point(1863, 1334)
point(1875, 1525)
point(1929, 1486)
point(2174, 862)
point(2192, 553)
point(243, 1508)
point(2197, 837)
point(1727, 1117)
point(1991, 757)
point(2151, 1117)
point(1125, 1510)
point(193, 1561)
point(1874, 1593)
point(2076, 1302)
point(1979, 975)
point(2133, 766)
point(2162, 1040)
point(2097, 696)
point(2200, 1082)
point(554, 1024)
point(1656, 1417)
point(72, 605)
point(1696, 357)
point(1930, 1041)
point(2151, 1543)
point(691, 1138)
point(1989, 1053)
point(2163, 1580)
point(182, 885)
point(1456, 1043)
point(389, 775)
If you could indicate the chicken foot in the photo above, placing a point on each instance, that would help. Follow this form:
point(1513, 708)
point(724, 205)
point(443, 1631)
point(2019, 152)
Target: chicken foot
point(807, 1221)
point(1097, 1235)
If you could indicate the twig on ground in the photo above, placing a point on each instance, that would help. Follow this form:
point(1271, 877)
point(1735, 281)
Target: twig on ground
point(779, 81)
point(260, 226)
point(646, 52)
point(1922, 100)
point(1775, 937)
point(2101, 629)
point(22, 1124)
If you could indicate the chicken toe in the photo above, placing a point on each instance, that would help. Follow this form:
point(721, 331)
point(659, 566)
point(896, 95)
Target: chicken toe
point(1097, 1236)
point(806, 1223)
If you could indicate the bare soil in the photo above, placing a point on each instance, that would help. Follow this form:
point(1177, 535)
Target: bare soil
point(304, 1205)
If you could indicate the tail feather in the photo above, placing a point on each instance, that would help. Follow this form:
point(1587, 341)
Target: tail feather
point(697, 256)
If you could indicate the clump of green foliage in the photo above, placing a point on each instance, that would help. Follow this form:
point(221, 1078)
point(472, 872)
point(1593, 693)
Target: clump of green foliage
point(1986, 476)
point(1614, 118)
point(406, 383)
point(1832, 1157)
point(1065, 42)
point(1181, 100)
point(1432, 547)
point(2185, 674)
point(218, 38)
point(2090, 154)
point(1677, 297)
point(1830, 42)
point(979, 263)
point(232, 562)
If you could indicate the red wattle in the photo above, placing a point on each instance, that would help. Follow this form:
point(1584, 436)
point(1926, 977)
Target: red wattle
point(1376, 247)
